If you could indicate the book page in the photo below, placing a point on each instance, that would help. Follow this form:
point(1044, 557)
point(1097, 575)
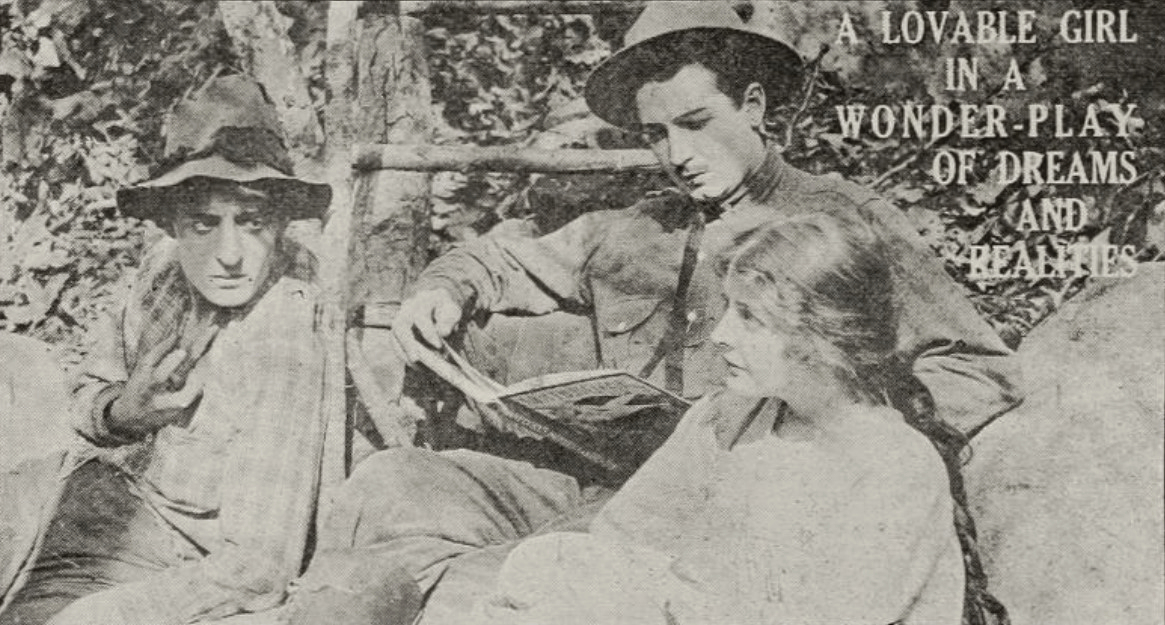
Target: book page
point(602, 395)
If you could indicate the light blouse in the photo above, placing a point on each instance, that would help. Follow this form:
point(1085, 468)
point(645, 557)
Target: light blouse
point(851, 525)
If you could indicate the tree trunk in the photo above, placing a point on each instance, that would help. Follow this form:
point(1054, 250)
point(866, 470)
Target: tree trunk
point(259, 33)
point(390, 219)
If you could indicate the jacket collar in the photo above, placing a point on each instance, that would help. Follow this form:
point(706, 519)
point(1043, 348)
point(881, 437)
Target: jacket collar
point(762, 184)
point(771, 176)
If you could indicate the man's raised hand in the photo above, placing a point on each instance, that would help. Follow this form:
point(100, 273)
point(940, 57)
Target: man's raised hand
point(428, 316)
point(150, 399)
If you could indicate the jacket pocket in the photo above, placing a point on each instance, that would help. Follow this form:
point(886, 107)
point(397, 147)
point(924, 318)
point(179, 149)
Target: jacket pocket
point(645, 321)
point(631, 318)
point(632, 328)
point(629, 329)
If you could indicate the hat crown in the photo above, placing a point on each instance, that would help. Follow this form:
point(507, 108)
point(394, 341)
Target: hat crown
point(611, 88)
point(235, 102)
point(230, 131)
point(660, 17)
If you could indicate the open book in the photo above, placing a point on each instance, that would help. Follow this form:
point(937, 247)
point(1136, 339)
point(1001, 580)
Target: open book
point(608, 417)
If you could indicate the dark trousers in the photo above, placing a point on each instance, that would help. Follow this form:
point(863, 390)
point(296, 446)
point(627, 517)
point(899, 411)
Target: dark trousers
point(101, 535)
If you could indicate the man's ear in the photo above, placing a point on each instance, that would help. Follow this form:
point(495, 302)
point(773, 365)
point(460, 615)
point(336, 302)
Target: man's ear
point(753, 104)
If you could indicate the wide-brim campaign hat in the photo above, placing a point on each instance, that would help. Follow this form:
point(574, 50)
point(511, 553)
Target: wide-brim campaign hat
point(611, 88)
point(228, 131)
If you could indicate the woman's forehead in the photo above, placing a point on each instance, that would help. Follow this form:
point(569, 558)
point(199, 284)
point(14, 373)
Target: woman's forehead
point(745, 287)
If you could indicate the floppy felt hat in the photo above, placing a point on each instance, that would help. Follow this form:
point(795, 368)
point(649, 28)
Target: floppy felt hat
point(228, 131)
point(611, 88)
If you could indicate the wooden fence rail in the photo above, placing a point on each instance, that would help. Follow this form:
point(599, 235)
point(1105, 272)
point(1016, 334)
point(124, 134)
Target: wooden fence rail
point(500, 159)
point(565, 7)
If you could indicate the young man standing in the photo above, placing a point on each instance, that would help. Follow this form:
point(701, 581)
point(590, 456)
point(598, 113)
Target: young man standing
point(697, 85)
point(193, 492)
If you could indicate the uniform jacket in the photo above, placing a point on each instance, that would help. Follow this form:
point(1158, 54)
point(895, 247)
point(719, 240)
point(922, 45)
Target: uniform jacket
point(621, 267)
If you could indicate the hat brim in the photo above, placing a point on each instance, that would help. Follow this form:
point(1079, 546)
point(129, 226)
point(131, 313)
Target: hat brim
point(294, 198)
point(611, 88)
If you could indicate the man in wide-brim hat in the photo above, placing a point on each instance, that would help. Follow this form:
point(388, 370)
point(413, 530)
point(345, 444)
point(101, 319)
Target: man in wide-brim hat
point(193, 491)
point(696, 83)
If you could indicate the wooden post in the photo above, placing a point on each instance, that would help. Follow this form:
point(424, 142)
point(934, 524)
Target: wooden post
point(390, 219)
point(389, 234)
point(341, 76)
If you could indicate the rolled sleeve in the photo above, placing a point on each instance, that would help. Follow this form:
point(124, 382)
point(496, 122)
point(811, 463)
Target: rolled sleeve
point(101, 380)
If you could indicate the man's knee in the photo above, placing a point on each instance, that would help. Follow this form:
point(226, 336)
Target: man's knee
point(387, 486)
point(391, 472)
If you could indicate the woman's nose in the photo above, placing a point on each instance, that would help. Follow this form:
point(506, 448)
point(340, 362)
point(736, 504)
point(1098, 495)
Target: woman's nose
point(722, 334)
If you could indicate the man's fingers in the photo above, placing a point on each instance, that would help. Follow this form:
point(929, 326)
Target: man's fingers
point(439, 318)
point(446, 314)
point(427, 328)
point(408, 345)
point(159, 351)
point(179, 399)
point(168, 366)
point(402, 330)
point(427, 317)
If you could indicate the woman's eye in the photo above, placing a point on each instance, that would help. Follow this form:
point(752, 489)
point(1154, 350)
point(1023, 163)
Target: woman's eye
point(694, 124)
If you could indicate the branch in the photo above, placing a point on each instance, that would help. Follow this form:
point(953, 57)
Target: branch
point(810, 89)
point(531, 6)
point(507, 159)
point(886, 175)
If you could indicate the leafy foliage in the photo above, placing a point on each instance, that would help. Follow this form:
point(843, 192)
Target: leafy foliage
point(506, 79)
point(85, 86)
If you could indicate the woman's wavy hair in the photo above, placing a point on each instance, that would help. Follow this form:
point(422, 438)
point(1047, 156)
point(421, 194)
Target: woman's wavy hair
point(827, 282)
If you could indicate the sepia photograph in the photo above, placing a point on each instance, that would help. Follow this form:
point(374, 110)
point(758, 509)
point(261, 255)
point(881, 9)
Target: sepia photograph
point(582, 312)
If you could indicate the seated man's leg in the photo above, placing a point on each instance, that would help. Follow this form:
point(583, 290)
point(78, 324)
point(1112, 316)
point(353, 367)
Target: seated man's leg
point(407, 514)
point(101, 535)
point(417, 510)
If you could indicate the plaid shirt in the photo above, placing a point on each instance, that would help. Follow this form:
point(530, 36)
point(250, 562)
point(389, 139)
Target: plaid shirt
point(241, 479)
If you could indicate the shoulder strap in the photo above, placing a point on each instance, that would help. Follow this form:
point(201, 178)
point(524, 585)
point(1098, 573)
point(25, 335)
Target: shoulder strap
point(671, 345)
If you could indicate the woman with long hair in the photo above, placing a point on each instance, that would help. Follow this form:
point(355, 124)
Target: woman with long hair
point(798, 494)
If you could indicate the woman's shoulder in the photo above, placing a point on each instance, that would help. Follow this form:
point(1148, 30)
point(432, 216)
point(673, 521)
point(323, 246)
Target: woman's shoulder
point(885, 444)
